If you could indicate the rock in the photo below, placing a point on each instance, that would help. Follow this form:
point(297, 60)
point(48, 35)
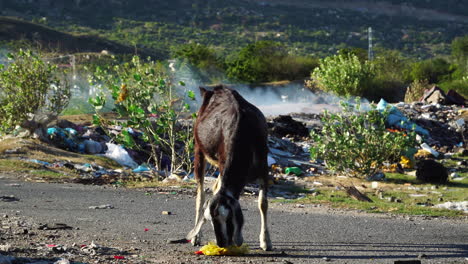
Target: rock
point(434, 96)
point(431, 171)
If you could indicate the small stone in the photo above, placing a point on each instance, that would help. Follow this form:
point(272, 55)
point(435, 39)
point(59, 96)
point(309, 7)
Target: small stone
point(326, 259)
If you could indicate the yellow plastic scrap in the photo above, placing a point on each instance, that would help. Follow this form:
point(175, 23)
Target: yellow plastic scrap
point(406, 163)
point(213, 250)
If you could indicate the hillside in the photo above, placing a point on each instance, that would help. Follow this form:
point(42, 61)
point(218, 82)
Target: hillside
point(57, 41)
point(419, 28)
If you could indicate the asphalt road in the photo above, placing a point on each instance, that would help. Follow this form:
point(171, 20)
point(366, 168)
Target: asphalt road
point(299, 235)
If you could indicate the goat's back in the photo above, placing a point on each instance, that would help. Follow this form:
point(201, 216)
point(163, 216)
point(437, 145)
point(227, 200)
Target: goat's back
point(232, 133)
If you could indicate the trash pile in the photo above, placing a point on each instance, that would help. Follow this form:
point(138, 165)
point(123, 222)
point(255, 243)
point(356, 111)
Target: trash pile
point(441, 129)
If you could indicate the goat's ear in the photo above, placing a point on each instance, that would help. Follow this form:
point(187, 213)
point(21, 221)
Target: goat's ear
point(202, 91)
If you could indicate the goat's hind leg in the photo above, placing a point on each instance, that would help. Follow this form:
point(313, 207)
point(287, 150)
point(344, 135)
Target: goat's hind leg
point(199, 169)
point(265, 242)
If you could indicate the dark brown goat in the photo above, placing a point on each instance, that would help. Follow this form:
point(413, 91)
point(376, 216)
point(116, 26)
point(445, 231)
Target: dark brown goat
point(231, 134)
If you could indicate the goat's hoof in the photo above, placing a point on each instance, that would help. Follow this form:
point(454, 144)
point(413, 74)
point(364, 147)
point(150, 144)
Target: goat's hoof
point(196, 241)
point(266, 246)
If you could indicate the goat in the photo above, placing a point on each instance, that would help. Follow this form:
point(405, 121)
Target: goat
point(231, 134)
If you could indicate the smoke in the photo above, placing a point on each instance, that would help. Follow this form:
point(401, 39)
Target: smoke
point(272, 100)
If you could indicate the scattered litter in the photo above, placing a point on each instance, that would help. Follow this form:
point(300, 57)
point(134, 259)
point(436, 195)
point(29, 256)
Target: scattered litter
point(62, 261)
point(39, 162)
point(271, 161)
point(5, 248)
point(142, 168)
point(104, 206)
point(293, 170)
point(8, 198)
point(396, 118)
point(376, 177)
point(417, 195)
point(120, 155)
point(178, 241)
point(460, 206)
point(214, 250)
point(426, 147)
point(55, 226)
point(119, 257)
point(166, 213)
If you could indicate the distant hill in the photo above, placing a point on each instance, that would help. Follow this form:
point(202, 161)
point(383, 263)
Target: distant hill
point(54, 40)
point(418, 28)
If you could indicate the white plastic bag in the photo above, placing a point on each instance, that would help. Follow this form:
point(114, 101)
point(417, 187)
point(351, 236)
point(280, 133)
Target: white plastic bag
point(119, 154)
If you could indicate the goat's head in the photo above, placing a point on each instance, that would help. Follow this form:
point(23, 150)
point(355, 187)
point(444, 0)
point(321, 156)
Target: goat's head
point(226, 216)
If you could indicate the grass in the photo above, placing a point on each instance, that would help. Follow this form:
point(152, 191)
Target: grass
point(400, 193)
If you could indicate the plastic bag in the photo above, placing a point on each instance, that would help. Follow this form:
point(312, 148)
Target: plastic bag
point(120, 155)
point(213, 250)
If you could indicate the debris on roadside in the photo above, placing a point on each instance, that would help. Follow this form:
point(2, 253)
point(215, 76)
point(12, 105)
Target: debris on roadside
point(460, 206)
point(104, 206)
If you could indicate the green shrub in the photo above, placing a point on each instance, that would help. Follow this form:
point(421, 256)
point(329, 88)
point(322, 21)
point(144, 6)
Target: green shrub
point(267, 61)
point(343, 75)
point(432, 70)
point(357, 143)
point(30, 86)
point(146, 100)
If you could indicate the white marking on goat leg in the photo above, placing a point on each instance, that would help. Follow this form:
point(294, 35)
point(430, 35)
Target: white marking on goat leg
point(195, 234)
point(265, 242)
point(217, 185)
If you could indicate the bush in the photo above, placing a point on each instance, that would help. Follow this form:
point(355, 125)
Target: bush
point(267, 61)
point(146, 100)
point(358, 143)
point(432, 70)
point(343, 75)
point(31, 90)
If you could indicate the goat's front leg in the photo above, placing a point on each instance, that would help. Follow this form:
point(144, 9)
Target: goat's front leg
point(265, 242)
point(199, 169)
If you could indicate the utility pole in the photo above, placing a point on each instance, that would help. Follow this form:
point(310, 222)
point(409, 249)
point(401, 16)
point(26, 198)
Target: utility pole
point(370, 54)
